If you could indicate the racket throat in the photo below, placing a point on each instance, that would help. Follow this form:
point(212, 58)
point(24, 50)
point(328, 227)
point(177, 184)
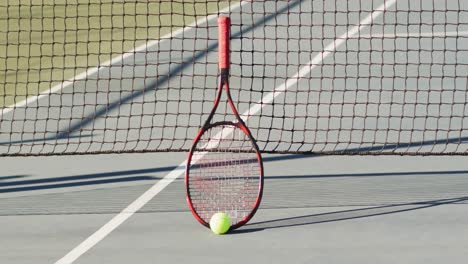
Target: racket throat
point(224, 75)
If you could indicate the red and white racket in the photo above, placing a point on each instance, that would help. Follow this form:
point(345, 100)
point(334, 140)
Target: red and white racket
point(224, 168)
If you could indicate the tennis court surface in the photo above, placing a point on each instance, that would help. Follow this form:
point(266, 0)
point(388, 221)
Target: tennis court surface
point(359, 109)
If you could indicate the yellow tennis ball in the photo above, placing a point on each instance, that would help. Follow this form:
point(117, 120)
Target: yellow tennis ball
point(220, 223)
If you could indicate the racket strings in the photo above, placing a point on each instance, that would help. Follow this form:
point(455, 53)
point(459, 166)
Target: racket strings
point(224, 174)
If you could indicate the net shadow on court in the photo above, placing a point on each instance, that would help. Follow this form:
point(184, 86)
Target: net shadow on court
point(346, 215)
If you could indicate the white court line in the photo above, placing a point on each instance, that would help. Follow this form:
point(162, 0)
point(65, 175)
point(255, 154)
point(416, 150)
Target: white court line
point(161, 184)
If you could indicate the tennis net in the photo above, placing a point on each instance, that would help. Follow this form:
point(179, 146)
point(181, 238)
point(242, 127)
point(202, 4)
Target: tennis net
point(325, 77)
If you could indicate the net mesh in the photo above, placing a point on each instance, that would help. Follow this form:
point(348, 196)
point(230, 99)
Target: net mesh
point(327, 77)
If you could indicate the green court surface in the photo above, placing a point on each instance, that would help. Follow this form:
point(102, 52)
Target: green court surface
point(43, 43)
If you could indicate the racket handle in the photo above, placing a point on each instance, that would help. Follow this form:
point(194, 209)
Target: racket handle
point(224, 28)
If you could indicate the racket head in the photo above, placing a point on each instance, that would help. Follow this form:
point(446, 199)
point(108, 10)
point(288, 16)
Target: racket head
point(224, 173)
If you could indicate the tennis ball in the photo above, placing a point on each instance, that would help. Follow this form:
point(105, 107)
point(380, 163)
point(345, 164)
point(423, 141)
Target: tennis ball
point(220, 223)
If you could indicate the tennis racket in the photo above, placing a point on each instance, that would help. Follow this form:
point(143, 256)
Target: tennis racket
point(224, 170)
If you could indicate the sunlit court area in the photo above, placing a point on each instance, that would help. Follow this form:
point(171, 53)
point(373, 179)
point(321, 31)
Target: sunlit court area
point(301, 131)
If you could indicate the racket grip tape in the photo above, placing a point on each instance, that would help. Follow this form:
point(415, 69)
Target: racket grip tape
point(224, 35)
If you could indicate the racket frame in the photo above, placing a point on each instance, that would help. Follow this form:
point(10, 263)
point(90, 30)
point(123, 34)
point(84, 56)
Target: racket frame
point(224, 36)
